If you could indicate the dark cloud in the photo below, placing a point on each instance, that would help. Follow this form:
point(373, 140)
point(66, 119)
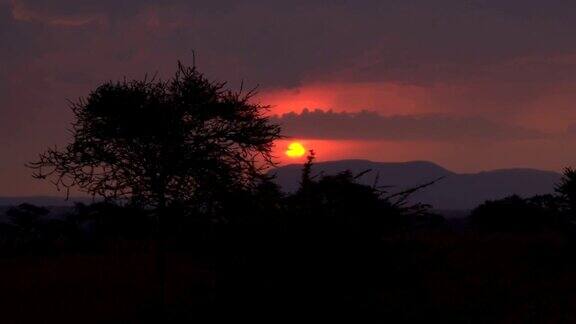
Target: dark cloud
point(418, 41)
point(571, 130)
point(366, 125)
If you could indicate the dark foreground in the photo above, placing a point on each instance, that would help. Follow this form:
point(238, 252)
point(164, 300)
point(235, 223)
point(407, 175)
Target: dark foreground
point(335, 249)
point(419, 276)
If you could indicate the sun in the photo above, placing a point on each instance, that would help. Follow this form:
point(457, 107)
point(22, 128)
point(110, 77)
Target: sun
point(295, 150)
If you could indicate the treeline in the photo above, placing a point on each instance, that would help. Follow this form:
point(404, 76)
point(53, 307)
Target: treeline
point(335, 207)
point(333, 248)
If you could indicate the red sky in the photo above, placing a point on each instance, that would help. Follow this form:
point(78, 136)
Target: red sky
point(471, 85)
point(551, 151)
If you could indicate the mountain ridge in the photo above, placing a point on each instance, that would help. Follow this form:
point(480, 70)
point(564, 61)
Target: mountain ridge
point(461, 191)
point(455, 191)
point(43, 200)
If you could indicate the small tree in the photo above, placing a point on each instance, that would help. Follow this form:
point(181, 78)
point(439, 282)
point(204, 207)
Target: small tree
point(566, 189)
point(26, 217)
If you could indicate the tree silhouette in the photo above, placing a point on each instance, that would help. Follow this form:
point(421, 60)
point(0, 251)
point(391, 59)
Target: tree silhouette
point(566, 189)
point(306, 178)
point(158, 143)
point(187, 141)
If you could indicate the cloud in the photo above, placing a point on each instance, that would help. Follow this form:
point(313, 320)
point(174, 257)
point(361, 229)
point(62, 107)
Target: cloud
point(571, 131)
point(416, 42)
point(366, 125)
point(32, 14)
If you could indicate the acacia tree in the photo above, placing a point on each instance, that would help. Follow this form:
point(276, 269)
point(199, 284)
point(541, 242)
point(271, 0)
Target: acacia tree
point(183, 142)
point(160, 143)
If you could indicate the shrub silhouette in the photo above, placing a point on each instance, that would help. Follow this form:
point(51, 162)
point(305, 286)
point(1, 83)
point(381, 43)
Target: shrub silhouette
point(540, 212)
point(26, 216)
point(339, 203)
point(566, 190)
point(514, 213)
point(104, 220)
point(24, 228)
point(29, 228)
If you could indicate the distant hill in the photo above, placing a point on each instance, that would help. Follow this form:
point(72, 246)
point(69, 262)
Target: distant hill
point(43, 200)
point(454, 192)
point(57, 206)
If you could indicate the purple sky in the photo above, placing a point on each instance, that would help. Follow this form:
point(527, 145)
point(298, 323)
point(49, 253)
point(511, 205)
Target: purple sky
point(471, 85)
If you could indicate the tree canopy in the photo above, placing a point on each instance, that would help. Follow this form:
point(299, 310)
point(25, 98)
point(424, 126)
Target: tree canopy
point(160, 143)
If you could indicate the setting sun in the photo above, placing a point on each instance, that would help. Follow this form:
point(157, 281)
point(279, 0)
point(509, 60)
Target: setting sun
point(295, 150)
